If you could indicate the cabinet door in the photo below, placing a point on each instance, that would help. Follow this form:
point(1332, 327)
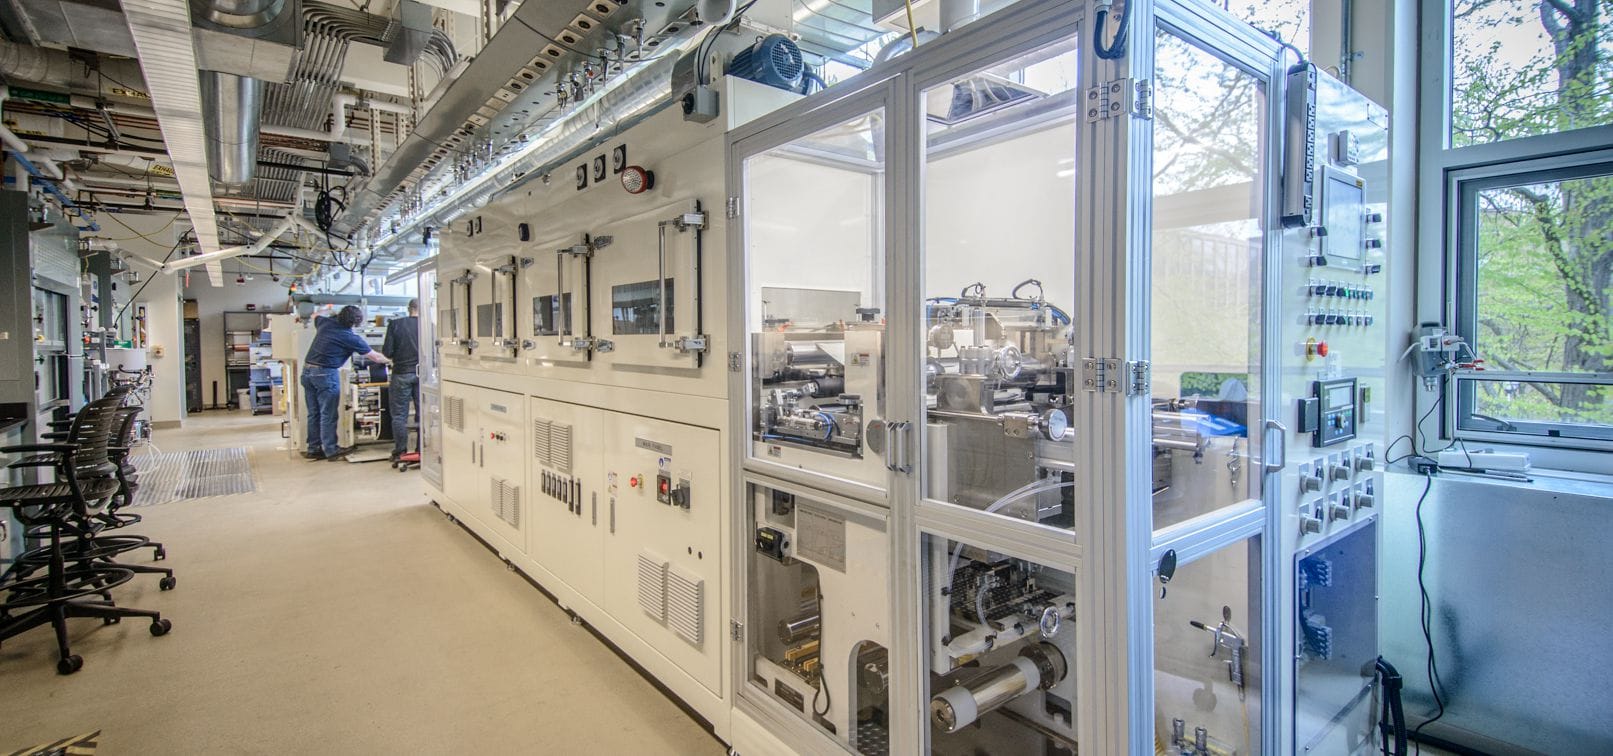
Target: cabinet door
point(554, 300)
point(649, 288)
point(662, 565)
point(501, 442)
point(460, 455)
point(568, 517)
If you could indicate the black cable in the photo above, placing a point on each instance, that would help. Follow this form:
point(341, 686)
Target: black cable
point(1117, 49)
point(147, 282)
point(821, 687)
point(1392, 714)
point(703, 49)
point(1432, 667)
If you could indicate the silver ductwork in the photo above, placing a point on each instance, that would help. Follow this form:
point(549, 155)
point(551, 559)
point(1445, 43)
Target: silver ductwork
point(55, 68)
point(231, 106)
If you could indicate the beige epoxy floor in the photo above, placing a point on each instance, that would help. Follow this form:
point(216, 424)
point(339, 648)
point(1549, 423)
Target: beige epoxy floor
point(333, 611)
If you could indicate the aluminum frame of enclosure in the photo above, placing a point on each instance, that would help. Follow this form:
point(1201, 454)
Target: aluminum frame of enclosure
point(1114, 550)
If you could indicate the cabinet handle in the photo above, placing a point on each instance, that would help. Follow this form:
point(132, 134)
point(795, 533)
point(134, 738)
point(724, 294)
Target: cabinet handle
point(1282, 446)
point(613, 515)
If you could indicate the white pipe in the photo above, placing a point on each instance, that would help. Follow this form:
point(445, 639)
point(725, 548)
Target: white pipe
point(256, 247)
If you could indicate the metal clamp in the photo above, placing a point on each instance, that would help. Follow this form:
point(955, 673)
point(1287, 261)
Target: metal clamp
point(1282, 447)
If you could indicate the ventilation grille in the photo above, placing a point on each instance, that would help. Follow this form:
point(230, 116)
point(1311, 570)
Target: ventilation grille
point(652, 585)
point(551, 444)
point(505, 501)
point(685, 605)
point(454, 412)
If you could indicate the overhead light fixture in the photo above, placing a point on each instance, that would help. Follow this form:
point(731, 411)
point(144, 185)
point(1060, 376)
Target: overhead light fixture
point(637, 179)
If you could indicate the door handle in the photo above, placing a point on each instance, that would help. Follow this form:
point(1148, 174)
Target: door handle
point(1282, 447)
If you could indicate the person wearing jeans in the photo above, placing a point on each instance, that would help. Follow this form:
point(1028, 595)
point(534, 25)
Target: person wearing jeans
point(402, 346)
point(334, 344)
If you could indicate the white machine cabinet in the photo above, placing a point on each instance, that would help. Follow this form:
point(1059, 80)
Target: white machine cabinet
point(567, 533)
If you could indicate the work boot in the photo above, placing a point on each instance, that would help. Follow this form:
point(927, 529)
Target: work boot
point(340, 453)
point(313, 455)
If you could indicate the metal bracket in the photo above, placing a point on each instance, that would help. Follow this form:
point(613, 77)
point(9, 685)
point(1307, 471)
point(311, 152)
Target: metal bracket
point(1120, 97)
point(736, 362)
point(526, 262)
point(604, 345)
point(1114, 376)
point(736, 630)
point(733, 208)
point(687, 344)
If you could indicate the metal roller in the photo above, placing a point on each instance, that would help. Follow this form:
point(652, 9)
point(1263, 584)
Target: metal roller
point(1037, 667)
point(792, 630)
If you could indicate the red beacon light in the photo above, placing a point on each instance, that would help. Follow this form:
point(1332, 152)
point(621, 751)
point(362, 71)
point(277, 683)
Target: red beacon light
point(637, 179)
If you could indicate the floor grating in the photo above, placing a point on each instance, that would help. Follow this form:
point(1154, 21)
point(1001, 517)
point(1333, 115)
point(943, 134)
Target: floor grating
point(194, 475)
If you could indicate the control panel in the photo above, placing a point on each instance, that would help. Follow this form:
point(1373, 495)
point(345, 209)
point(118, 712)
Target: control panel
point(1330, 413)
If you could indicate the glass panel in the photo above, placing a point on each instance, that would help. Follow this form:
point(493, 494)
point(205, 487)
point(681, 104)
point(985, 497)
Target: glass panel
point(1209, 185)
point(1541, 288)
point(633, 308)
point(1527, 67)
point(999, 280)
point(1287, 20)
point(1000, 640)
point(551, 315)
point(814, 246)
point(1539, 408)
point(819, 616)
point(1207, 655)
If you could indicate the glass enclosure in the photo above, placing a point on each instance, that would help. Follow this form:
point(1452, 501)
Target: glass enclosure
point(815, 300)
point(999, 284)
point(1207, 678)
point(1000, 633)
point(1207, 276)
point(818, 604)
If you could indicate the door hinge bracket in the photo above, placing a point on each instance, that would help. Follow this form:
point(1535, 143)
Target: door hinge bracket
point(736, 362)
point(1109, 99)
point(1108, 375)
point(736, 630)
point(733, 207)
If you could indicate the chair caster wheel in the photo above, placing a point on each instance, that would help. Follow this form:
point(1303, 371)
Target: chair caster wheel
point(167, 583)
point(160, 554)
point(161, 627)
point(70, 664)
point(111, 620)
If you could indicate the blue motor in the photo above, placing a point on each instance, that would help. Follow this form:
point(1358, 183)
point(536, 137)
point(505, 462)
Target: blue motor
point(774, 60)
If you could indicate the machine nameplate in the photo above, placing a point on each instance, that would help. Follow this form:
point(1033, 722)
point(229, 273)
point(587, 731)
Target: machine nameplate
point(654, 446)
point(499, 408)
point(820, 536)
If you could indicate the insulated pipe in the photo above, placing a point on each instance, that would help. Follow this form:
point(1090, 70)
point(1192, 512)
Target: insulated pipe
point(1037, 667)
point(231, 108)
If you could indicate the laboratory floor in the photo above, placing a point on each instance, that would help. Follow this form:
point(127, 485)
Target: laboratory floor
point(335, 610)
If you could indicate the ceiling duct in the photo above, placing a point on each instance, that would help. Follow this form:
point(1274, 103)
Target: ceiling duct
point(410, 33)
point(162, 32)
point(231, 106)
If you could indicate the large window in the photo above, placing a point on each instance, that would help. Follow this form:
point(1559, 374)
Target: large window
point(1515, 137)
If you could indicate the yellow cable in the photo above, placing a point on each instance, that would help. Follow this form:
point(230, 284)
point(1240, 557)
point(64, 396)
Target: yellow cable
point(912, 28)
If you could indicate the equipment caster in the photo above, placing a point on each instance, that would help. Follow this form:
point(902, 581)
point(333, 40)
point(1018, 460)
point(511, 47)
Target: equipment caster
point(69, 664)
point(111, 620)
point(167, 583)
point(160, 554)
point(161, 627)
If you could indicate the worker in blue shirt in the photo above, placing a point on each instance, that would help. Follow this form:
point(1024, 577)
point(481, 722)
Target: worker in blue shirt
point(334, 344)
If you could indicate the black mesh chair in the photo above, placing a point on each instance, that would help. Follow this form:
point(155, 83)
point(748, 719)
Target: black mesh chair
point(84, 479)
point(86, 536)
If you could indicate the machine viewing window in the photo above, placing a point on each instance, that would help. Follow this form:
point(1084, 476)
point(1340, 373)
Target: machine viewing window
point(1000, 646)
point(1208, 248)
point(489, 320)
point(814, 245)
point(999, 286)
point(1207, 654)
point(551, 315)
point(634, 308)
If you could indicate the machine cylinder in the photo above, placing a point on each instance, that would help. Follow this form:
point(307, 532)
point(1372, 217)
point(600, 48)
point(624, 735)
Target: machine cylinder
point(1039, 666)
point(792, 630)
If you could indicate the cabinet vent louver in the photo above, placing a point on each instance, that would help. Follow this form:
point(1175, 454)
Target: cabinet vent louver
point(652, 585)
point(542, 431)
point(505, 501)
point(685, 605)
point(551, 444)
point(454, 412)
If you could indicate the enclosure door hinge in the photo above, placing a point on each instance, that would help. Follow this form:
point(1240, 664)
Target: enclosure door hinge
point(1114, 376)
point(1120, 97)
point(735, 362)
point(733, 208)
point(736, 630)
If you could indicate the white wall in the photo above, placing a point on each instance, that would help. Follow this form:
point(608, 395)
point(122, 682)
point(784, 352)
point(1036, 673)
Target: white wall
point(151, 237)
point(212, 302)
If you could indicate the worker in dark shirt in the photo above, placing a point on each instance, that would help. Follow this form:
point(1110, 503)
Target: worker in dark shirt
point(334, 344)
point(402, 346)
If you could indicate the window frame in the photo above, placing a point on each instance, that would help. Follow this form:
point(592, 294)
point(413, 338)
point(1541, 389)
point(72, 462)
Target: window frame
point(1449, 179)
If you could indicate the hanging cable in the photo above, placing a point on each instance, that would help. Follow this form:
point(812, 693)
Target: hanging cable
point(1117, 49)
